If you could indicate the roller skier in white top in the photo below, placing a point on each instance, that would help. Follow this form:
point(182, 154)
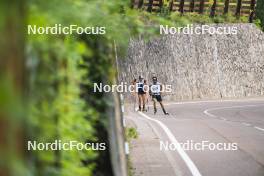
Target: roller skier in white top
point(155, 92)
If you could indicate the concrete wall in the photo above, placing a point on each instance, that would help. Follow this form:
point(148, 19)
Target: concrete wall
point(201, 66)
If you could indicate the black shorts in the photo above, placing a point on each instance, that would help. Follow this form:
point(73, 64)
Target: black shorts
point(141, 93)
point(157, 97)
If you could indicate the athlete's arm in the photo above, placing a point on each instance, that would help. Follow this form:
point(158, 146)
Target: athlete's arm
point(161, 89)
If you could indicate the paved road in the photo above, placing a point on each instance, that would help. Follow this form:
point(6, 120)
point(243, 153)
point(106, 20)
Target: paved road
point(238, 122)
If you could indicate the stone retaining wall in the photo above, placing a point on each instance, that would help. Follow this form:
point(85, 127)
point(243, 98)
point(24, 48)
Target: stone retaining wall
point(201, 66)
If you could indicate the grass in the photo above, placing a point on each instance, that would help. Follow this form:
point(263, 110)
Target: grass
point(131, 133)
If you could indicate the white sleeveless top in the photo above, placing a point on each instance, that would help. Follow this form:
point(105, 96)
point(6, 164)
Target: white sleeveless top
point(155, 88)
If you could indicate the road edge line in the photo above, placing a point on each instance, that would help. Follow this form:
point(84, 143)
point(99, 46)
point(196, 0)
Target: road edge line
point(193, 169)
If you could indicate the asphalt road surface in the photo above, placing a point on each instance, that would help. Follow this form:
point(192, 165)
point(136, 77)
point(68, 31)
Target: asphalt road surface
point(235, 123)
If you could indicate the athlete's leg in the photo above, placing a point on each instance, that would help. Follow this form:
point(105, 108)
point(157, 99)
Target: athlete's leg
point(139, 105)
point(139, 102)
point(163, 109)
point(144, 101)
point(154, 105)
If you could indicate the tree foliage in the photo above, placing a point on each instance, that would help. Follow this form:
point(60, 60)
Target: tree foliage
point(260, 12)
point(62, 71)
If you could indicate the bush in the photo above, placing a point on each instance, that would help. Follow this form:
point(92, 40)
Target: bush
point(260, 12)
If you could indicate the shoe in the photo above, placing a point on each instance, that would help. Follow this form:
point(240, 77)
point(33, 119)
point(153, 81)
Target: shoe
point(155, 111)
point(166, 113)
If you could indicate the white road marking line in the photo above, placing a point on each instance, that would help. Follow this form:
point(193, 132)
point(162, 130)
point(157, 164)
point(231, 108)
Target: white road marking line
point(227, 107)
point(230, 107)
point(184, 156)
point(261, 129)
point(209, 114)
point(247, 124)
point(173, 163)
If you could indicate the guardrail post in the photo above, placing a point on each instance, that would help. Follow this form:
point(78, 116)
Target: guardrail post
point(192, 6)
point(150, 5)
point(171, 5)
point(252, 10)
point(181, 6)
point(226, 6)
point(201, 8)
point(212, 14)
point(238, 9)
point(160, 4)
point(140, 3)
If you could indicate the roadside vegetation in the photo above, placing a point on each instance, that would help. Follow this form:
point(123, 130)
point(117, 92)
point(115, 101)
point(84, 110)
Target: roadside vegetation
point(130, 134)
point(260, 14)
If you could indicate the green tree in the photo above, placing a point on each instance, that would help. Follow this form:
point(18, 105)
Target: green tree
point(62, 71)
point(260, 12)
